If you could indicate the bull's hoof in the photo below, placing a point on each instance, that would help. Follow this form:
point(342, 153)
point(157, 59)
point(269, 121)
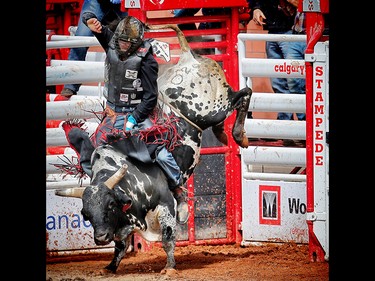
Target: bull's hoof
point(110, 269)
point(102, 272)
point(244, 142)
point(169, 271)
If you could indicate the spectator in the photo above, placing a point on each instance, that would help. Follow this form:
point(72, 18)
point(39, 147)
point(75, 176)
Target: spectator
point(279, 17)
point(131, 91)
point(108, 12)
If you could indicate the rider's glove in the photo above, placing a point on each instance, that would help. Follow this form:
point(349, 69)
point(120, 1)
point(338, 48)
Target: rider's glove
point(130, 123)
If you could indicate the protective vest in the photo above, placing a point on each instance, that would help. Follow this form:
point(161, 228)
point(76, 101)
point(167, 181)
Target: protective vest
point(123, 87)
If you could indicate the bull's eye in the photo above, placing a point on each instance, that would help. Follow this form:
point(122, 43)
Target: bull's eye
point(111, 206)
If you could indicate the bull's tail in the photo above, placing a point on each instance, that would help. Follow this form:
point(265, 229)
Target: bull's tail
point(180, 35)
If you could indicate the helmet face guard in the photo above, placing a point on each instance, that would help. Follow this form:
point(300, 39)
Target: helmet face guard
point(130, 29)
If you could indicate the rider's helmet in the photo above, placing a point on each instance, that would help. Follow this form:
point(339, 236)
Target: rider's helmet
point(128, 35)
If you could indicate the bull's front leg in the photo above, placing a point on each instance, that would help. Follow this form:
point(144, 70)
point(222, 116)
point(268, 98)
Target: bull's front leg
point(168, 230)
point(121, 247)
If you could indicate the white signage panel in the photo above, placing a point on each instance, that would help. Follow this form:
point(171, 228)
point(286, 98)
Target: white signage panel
point(274, 211)
point(65, 226)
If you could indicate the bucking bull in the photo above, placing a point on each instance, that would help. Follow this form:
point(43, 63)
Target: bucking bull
point(127, 196)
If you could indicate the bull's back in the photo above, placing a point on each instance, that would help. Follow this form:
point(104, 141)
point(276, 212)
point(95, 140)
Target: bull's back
point(140, 178)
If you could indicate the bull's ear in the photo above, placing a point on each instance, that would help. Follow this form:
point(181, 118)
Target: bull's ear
point(124, 199)
point(126, 206)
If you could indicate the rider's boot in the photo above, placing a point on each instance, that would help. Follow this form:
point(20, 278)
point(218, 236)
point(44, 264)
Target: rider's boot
point(80, 141)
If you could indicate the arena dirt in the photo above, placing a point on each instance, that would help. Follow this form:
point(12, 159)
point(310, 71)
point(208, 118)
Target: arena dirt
point(275, 261)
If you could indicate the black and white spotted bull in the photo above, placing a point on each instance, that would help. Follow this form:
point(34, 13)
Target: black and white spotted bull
point(127, 196)
point(196, 90)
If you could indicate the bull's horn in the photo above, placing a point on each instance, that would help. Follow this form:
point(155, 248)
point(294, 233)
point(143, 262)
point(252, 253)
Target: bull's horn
point(116, 177)
point(70, 192)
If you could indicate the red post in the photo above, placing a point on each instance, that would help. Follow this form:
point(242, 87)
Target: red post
point(314, 32)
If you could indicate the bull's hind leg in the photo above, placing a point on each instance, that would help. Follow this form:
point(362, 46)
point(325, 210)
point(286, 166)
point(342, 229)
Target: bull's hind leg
point(242, 107)
point(168, 230)
point(120, 251)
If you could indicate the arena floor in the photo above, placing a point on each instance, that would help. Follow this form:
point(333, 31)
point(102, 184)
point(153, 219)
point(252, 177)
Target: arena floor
point(276, 261)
